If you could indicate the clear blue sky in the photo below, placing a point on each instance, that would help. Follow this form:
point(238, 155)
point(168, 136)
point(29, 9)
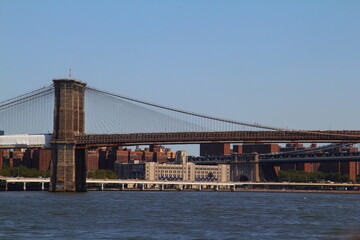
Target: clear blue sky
point(292, 64)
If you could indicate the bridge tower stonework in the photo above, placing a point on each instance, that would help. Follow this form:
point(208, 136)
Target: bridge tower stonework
point(68, 164)
point(245, 168)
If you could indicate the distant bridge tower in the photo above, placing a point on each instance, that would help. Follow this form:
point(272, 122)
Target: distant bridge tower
point(68, 165)
point(245, 168)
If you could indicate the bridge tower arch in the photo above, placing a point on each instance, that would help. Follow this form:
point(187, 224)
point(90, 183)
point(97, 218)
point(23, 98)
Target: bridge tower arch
point(68, 164)
point(245, 168)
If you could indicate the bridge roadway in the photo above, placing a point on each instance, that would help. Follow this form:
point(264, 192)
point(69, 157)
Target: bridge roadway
point(346, 136)
point(280, 158)
point(310, 158)
point(135, 184)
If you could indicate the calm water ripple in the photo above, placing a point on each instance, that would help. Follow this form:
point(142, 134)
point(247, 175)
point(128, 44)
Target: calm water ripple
point(178, 215)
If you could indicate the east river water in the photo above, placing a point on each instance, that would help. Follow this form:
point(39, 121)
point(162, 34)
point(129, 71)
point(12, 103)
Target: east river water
point(178, 215)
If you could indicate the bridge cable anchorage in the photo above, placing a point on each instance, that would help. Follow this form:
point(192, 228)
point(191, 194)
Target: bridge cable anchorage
point(255, 125)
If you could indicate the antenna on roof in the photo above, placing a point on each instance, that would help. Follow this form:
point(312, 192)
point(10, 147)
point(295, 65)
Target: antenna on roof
point(70, 73)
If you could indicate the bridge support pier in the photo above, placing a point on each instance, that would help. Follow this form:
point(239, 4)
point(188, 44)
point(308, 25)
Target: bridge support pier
point(245, 168)
point(68, 165)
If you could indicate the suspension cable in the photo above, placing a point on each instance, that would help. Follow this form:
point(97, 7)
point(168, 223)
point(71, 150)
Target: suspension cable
point(27, 94)
point(16, 101)
point(255, 125)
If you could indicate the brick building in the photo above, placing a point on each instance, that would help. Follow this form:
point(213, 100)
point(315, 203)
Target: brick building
point(214, 149)
point(160, 157)
point(350, 168)
point(42, 159)
point(92, 160)
point(237, 149)
point(289, 147)
point(260, 148)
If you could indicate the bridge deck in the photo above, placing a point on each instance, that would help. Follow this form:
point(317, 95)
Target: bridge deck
point(209, 137)
point(346, 136)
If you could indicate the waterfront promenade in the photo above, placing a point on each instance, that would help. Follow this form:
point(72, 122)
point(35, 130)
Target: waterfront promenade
point(25, 184)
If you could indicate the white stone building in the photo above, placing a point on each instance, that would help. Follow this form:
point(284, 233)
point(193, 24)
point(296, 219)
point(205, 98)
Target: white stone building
point(182, 170)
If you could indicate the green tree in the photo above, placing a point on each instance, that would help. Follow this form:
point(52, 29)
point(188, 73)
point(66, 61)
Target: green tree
point(102, 174)
point(301, 176)
point(22, 171)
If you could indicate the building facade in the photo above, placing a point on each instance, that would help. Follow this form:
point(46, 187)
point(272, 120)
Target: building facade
point(182, 170)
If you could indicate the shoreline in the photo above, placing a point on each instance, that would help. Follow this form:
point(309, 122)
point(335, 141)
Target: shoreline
point(239, 190)
point(40, 184)
point(204, 190)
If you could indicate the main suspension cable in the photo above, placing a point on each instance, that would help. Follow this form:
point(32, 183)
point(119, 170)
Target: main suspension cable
point(255, 125)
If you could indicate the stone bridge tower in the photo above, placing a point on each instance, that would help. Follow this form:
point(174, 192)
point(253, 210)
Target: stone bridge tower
point(68, 164)
point(245, 167)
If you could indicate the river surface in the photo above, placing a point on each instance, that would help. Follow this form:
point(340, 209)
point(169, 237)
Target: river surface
point(178, 215)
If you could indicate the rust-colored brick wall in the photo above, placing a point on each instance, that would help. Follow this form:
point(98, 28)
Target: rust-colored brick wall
point(136, 155)
point(160, 157)
point(122, 156)
point(260, 148)
point(92, 162)
point(237, 149)
point(44, 159)
point(214, 149)
point(349, 168)
point(309, 167)
point(149, 156)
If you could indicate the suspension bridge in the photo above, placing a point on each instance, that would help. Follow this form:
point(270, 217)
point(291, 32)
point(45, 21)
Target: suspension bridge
point(57, 112)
